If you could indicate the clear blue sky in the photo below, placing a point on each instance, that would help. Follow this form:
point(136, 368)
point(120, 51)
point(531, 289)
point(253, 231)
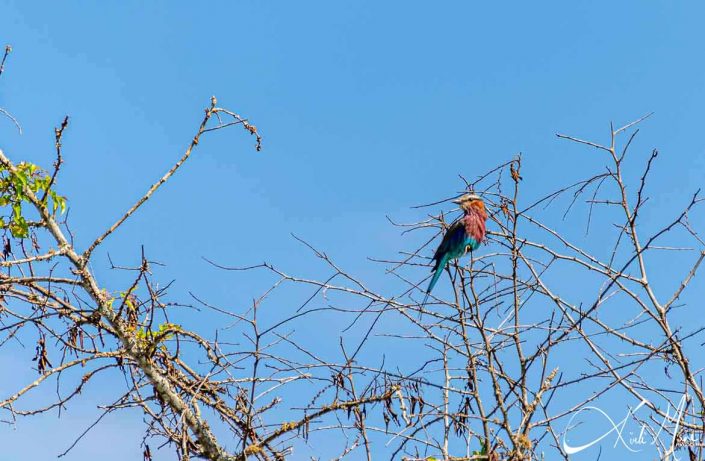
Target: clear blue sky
point(365, 107)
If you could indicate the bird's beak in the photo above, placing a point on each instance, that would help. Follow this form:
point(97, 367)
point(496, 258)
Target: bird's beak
point(457, 201)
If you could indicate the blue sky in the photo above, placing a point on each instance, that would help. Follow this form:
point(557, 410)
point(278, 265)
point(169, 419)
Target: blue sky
point(366, 108)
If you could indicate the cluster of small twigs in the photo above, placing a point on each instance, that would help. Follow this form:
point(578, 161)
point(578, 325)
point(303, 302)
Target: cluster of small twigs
point(482, 374)
point(496, 385)
point(184, 383)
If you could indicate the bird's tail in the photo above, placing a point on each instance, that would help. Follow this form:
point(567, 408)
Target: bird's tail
point(425, 298)
point(440, 265)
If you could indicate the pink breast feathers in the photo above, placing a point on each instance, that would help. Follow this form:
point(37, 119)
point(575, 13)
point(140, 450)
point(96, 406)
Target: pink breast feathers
point(475, 223)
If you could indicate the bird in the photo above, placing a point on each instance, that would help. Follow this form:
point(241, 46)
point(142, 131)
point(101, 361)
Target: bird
point(467, 233)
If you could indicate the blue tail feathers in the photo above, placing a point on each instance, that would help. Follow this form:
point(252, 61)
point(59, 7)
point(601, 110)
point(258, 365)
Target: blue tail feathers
point(436, 275)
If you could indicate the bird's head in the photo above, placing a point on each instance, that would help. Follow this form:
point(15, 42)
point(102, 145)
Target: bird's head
point(469, 201)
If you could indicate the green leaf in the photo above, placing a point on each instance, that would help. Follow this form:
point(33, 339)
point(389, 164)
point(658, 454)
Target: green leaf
point(19, 229)
point(483, 450)
point(22, 178)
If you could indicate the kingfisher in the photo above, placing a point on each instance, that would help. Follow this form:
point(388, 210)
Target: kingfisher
point(462, 236)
